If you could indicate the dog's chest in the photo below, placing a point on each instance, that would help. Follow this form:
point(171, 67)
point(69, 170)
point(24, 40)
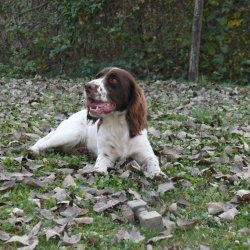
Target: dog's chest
point(113, 138)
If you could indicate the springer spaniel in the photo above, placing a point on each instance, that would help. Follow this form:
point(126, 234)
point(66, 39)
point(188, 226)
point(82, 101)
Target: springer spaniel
point(113, 126)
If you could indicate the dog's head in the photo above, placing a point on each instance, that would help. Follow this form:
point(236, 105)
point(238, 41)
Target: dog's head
point(115, 90)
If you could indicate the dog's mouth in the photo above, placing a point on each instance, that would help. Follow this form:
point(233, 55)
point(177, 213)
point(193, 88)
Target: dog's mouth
point(98, 107)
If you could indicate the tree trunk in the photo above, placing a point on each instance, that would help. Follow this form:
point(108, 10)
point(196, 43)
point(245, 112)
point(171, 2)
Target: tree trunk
point(195, 46)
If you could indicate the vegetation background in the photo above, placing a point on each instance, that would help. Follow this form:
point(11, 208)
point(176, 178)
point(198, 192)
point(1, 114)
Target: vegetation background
point(150, 38)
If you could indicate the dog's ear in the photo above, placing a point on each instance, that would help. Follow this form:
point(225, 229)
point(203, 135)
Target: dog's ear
point(136, 112)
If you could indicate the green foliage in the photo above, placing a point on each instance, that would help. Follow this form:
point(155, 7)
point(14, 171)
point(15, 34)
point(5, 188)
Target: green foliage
point(78, 37)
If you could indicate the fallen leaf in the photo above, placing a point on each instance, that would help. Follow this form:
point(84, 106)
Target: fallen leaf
point(215, 207)
point(49, 179)
point(133, 166)
point(35, 230)
point(162, 188)
point(182, 135)
point(47, 214)
point(88, 169)
point(4, 236)
point(60, 194)
point(244, 230)
point(63, 221)
point(158, 238)
point(22, 239)
point(133, 236)
point(172, 208)
point(32, 182)
point(84, 220)
point(229, 215)
point(71, 211)
point(72, 240)
point(243, 195)
point(204, 247)
point(69, 181)
point(136, 195)
point(51, 233)
point(32, 166)
point(17, 211)
point(56, 231)
point(169, 225)
point(127, 213)
point(32, 245)
point(102, 206)
point(171, 152)
point(185, 225)
point(125, 174)
point(155, 132)
point(8, 185)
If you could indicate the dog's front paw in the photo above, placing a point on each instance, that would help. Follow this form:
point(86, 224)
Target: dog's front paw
point(155, 175)
point(33, 153)
point(100, 170)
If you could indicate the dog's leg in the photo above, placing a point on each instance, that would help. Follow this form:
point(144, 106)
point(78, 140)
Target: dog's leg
point(103, 163)
point(145, 156)
point(70, 133)
point(56, 139)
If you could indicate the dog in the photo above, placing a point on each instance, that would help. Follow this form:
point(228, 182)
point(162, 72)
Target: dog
point(113, 126)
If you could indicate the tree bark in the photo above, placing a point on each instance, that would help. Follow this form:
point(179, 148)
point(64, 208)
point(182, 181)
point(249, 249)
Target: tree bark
point(193, 73)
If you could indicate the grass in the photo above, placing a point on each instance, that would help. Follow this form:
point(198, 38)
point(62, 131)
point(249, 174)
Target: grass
point(24, 109)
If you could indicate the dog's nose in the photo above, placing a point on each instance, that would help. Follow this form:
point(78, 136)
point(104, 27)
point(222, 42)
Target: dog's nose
point(90, 88)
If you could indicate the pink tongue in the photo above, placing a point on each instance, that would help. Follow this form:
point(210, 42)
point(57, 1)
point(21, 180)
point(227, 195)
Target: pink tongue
point(102, 107)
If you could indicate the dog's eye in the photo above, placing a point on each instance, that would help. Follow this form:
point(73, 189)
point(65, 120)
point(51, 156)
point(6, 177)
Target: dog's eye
point(99, 75)
point(113, 80)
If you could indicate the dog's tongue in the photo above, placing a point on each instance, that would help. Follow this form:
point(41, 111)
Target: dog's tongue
point(101, 107)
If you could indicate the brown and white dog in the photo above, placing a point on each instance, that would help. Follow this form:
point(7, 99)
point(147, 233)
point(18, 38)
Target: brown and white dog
point(113, 126)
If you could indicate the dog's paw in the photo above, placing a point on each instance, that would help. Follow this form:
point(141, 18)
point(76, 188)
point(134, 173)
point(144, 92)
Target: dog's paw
point(155, 175)
point(33, 153)
point(100, 171)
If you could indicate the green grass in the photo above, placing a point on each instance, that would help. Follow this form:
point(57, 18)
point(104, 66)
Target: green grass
point(167, 113)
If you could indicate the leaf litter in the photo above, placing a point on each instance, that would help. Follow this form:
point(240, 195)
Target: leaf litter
point(191, 137)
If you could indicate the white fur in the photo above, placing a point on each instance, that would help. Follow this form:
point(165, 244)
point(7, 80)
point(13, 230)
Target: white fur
point(101, 93)
point(111, 142)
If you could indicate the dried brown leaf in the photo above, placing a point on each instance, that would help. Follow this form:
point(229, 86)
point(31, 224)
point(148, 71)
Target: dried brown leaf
point(102, 206)
point(215, 207)
point(171, 152)
point(185, 225)
point(84, 220)
point(88, 169)
point(204, 247)
point(69, 181)
point(25, 240)
point(8, 185)
point(136, 195)
point(56, 231)
point(49, 179)
point(133, 236)
point(244, 230)
point(159, 238)
point(172, 208)
point(47, 214)
point(33, 182)
point(243, 195)
point(71, 240)
point(229, 215)
point(4, 236)
point(133, 166)
point(32, 245)
point(162, 188)
point(60, 194)
point(51, 233)
point(126, 174)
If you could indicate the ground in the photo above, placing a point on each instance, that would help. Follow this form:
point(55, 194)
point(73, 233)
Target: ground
point(201, 134)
